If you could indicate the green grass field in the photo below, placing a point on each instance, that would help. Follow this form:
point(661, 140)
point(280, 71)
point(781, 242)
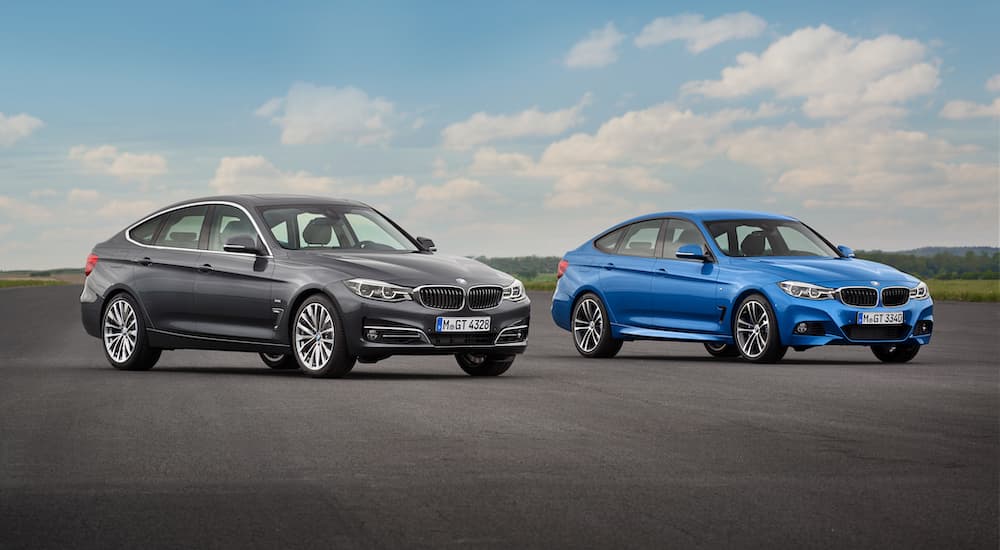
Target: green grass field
point(941, 289)
point(9, 283)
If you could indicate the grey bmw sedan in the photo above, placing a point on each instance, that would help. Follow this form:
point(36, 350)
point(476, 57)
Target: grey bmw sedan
point(307, 282)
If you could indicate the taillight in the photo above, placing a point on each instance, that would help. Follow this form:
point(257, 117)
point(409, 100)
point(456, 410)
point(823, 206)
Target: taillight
point(91, 262)
point(561, 270)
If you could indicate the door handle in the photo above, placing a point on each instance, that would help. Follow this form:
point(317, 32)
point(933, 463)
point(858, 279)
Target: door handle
point(609, 265)
point(145, 261)
point(205, 268)
point(662, 270)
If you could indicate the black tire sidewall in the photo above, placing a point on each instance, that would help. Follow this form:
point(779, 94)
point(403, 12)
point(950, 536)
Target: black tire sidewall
point(287, 361)
point(494, 365)
point(728, 350)
point(901, 354)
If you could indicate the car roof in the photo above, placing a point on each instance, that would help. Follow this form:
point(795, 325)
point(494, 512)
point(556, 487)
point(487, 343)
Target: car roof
point(712, 215)
point(268, 199)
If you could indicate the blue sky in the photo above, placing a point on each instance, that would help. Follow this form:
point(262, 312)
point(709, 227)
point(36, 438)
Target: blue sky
point(520, 128)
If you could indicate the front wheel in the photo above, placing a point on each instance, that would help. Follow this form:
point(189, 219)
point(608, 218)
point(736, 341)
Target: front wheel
point(126, 345)
point(592, 328)
point(756, 331)
point(483, 364)
point(279, 361)
point(318, 340)
point(896, 353)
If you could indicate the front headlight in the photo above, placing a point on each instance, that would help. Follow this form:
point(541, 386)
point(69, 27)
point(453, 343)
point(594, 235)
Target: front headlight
point(806, 290)
point(514, 291)
point(379, 290)
point(921, 292)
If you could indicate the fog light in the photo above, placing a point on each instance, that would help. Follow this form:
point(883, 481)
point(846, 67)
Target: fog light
point(371, 334)
point(801, 328)
point(923, 327)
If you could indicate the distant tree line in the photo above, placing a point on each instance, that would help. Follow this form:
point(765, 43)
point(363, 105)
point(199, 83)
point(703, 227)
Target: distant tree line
point(973, 264)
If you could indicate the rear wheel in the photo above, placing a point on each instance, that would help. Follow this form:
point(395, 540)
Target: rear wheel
point(592, 328)
point(279, 361)
point(126, 345)
point(755, 329)
point(716, 349)
point(318, 339)
point(896, 353)
point(484, 364)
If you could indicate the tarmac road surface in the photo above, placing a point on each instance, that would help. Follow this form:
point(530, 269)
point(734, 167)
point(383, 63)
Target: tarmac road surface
point(662, 447)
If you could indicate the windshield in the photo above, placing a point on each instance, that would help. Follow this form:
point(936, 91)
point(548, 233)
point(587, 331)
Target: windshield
point(755, 238)
point(338, 227)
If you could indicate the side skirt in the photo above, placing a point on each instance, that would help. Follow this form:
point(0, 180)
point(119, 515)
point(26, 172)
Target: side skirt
point(637, 333)
point(172, 340)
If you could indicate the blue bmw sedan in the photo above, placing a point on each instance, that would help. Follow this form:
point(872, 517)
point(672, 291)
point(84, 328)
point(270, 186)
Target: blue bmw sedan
point(744, 284)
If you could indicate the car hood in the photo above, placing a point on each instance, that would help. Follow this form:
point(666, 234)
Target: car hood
point(408, 269)
point(830, 272)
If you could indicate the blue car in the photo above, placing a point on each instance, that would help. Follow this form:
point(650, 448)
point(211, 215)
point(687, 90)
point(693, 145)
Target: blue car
point(744, 284)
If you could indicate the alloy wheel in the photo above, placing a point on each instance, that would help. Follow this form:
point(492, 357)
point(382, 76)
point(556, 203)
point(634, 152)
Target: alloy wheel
point(753, 328)
point(121, 331)
point(588, 325)
point(314, 336)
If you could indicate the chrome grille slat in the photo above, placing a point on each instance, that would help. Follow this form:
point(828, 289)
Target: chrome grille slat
point(485, 297)
point(858, 296)
point(441, 297)
point(895, 296)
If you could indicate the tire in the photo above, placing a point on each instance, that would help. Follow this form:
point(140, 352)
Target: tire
point(318, 342)
point(591, 328)
point(722, 350)
point(896, 353)
point(279, 361)
point(484, 364)
point(124, 339)
point(755, 329)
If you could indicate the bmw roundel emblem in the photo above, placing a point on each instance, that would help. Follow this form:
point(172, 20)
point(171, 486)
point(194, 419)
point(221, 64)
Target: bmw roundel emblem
point(461, 281)
point(874, 283)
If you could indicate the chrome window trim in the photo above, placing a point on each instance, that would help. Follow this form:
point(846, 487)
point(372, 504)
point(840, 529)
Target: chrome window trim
point(878, 296)
point(417, 290)
point(500, 303)
point(128, 231)
point(906, 288)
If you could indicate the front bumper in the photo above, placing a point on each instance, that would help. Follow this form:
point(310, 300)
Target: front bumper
point(409, 328)
point(831, 322)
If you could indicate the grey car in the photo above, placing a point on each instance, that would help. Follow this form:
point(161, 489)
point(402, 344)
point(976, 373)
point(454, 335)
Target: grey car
point(307, 282)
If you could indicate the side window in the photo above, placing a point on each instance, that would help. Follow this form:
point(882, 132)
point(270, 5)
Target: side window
point(369, 234)
point(609, 242)
point(182, 228)
point(640, 239)
point(680, 233)
point(280, 232)
point(723, 241)
point(145, 232)
point(228, 222)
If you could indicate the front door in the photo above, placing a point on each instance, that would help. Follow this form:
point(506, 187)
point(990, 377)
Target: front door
point(685, 290)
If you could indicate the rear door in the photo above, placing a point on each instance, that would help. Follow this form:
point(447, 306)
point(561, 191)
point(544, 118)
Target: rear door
point(167, 259)
point(233, 290)
point(627, 275)
point(685, 290)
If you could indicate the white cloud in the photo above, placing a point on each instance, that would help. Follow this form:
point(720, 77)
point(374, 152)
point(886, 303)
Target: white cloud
point(256, 174)
point(20, 210)
point(698, 34)
point(5, 228)
point(82, 195)
point(320, 114)
point(961, 110)
point(14, 128)
point(107, 159)
point(483, 128)
point(390, 186)
point(993, 84)
point(43, 193)
point(124, 210)
point(836, 74)
point(598, 49)
point(456, 190)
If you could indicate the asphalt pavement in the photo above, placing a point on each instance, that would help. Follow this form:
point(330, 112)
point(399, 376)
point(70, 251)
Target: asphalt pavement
point(662, 447)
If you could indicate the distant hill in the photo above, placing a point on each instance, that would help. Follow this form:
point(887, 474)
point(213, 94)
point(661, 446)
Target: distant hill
point(954, 250)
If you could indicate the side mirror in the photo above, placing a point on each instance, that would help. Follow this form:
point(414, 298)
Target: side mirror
point(847, 251)
point(426, 244)
point(692, 252)
point(242, 244)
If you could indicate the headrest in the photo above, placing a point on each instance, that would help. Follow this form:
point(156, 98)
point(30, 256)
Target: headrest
point(689, 236)
point(753, 244)
point(237, 227)
point(318, 231)
point(183, 236)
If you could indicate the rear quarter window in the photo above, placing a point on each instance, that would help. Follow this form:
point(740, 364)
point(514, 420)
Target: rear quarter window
point(146, 231)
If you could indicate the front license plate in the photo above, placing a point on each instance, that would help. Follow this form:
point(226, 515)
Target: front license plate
point(880, 317)
point(463, 324)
